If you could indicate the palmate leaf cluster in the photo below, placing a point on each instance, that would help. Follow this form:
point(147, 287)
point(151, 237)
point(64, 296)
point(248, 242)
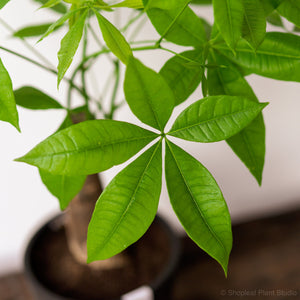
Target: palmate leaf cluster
point(218, 57)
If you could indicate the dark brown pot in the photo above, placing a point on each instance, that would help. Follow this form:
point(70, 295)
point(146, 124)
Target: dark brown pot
point(54, 274)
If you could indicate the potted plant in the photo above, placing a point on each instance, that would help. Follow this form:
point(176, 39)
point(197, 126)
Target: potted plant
point(217, 56)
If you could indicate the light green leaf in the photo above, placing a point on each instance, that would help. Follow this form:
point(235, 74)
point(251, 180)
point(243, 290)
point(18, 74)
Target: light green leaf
point(32, 98)
point(182, 77)
point(69, 45)
point(215, 118)
point(290, 9)
point(148, 95)
point(88, 147)
point(127, 206)
point(177, 23)
point(8, 109)
point(198, 203)
point(270, 5)
point(3, 3)
point(229, 17)
point(163, 4)
point(248, 144)
point(63, 187)
point(114, 39)
point(59, 23)
point(254, 27)
point(35, 30)
point(277, 57)
point(59, 8)
point(137, 4)
point(50, 3)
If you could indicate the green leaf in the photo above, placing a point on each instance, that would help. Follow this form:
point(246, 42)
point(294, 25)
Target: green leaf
point(215, 118)
point(32, 98)
point(148, 95)
point(3, 3)
point(248, 144)
point(177, 23)
point(202, 2)
point(127, 206)
point(59, 8)
point(63, 187)
point(137, 4)
point(69, 45)
point(277, 57)
point(254, 27)
point(114, 39)
point(229, 17)
point(35, 30)
point(59, 23)
point(8, 109)
point(290, 9)
point(88, 147)
point(198, 203)
point(270, 5)
point(182, 77)
point(275, 19)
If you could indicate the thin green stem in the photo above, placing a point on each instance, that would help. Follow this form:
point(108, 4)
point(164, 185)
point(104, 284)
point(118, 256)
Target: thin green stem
point(113, 106)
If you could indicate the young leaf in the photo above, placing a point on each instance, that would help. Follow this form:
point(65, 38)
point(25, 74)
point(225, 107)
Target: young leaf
point(277, 57)
point(35, 30)
point(127, 206)
point(229, 17)
point(8, 109)
point(248, 144)
point(3, 3)
point(182, 77)
point(63, 187)
point(290, 9)
point(32, 98)
point(69, 45)
point(148, 95)
point(198, 203)
point(114, 39)
point(254, 27)
point(88, 147)
point(177, 23)
point(59, 8)
point(59, 23)
point(215, 118)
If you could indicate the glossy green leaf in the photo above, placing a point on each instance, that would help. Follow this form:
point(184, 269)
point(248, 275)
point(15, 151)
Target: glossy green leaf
point(177, 23)
point(114, 39)
point(35, 30)
point(254, 27)
point(8, 109)
point(137, 4)
point(198, 203)
point(32, 98)
point(215, 118)
point(127, 206)
point(183, 77)
point(69, 45)
point(163, 4)
point(88, 147)
point(201, 2)
point(277, 57)
point(248, 144)
point(229, 17)
point(148, 95)
point(275, 19)
point(290, 9)
point(59, 7)
point(3, 3)
point(63, 187)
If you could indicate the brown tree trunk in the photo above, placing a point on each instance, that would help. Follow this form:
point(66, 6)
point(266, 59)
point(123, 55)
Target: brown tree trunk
point(78, 216)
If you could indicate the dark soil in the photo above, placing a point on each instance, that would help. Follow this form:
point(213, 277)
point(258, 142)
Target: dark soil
point(58, 270)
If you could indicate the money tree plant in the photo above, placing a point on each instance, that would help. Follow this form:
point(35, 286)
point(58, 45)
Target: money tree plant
point(218, 56)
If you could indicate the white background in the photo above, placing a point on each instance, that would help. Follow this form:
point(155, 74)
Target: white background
point(25, 203)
